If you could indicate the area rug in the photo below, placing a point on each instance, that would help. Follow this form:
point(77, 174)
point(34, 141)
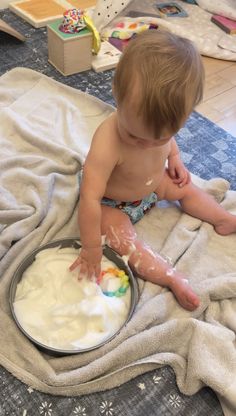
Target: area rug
point(208, 151)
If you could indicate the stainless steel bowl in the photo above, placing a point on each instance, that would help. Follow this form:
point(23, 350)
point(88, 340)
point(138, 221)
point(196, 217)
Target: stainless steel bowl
point(71, 242)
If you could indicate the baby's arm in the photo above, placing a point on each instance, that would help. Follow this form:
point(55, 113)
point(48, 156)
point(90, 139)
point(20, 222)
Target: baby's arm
point(99, 164)
point(176, 168)
point(89, 218)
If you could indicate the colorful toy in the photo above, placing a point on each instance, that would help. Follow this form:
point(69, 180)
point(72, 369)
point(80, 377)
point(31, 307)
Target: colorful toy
point(111, 273)
point(76, 20)
point(96, 36)
point(73, 21)
point(127, 29)
point(71, 42)
point(70, 53)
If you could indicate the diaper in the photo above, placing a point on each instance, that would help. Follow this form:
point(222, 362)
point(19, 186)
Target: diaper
point(135, 209)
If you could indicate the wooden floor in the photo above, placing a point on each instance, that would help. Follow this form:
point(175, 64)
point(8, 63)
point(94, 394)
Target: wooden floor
point(219, 102)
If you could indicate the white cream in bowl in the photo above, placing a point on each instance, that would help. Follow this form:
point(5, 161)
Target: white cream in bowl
point(62, 312)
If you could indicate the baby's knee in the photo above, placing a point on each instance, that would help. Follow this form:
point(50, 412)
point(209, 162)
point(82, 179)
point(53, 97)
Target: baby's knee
point(162, 188)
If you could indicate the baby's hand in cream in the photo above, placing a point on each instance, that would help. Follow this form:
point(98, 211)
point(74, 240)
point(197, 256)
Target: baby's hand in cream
point(88, 262)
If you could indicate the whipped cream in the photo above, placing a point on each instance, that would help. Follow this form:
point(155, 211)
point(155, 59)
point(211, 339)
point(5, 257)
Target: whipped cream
point(62, 312)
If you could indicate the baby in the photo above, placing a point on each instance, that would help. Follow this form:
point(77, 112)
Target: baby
point(157, 83)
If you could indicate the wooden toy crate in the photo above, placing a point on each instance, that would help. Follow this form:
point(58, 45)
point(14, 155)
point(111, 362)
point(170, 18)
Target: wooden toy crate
point(69, 53)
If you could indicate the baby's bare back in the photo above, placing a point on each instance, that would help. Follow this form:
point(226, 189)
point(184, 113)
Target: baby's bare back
point(139, 171)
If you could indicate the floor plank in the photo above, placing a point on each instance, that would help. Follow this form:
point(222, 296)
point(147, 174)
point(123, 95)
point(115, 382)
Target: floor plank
point(219, 101)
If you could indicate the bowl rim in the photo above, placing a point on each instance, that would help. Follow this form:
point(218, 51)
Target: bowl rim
point(75, 243)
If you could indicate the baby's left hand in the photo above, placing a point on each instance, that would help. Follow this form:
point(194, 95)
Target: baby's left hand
point(178, 171)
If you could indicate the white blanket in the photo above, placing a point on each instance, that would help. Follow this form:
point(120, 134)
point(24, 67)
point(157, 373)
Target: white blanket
point(225, 8)
point(45, 130)
point(207, 36)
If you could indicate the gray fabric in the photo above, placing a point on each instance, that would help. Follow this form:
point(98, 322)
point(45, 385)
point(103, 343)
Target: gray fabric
point(40, 159)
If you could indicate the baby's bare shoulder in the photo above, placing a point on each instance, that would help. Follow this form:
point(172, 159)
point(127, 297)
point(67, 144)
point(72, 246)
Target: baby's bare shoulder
point(105, 146)
point(107, 131)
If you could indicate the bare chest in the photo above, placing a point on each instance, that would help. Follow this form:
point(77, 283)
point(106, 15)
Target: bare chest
point(138, 174)
point(144, 165)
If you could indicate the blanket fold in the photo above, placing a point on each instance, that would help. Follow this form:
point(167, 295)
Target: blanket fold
point(45, 132)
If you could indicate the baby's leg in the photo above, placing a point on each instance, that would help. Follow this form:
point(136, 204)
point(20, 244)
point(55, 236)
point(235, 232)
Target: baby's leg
point(122, 237)
point(199, 204)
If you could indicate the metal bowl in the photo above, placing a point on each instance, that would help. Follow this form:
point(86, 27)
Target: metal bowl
point(75, 243)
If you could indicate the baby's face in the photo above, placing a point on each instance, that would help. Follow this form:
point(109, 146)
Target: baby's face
point(132, 131)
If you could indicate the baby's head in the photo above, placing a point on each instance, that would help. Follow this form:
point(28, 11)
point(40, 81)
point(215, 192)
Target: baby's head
point(159, 78)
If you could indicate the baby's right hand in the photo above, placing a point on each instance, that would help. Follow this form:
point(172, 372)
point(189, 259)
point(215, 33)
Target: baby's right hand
point(88, 262)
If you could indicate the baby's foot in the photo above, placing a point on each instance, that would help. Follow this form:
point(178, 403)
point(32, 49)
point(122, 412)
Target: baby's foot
point(183, 292)
point(227, 226)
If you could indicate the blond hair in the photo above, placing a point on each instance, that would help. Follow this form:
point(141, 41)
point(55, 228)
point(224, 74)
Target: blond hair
point(169, 74)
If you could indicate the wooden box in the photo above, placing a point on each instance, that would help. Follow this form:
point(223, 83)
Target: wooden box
point(69, 53)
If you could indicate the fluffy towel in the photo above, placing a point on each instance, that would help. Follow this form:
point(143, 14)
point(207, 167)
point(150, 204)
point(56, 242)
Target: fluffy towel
point(45, 130)
point(225, 8)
